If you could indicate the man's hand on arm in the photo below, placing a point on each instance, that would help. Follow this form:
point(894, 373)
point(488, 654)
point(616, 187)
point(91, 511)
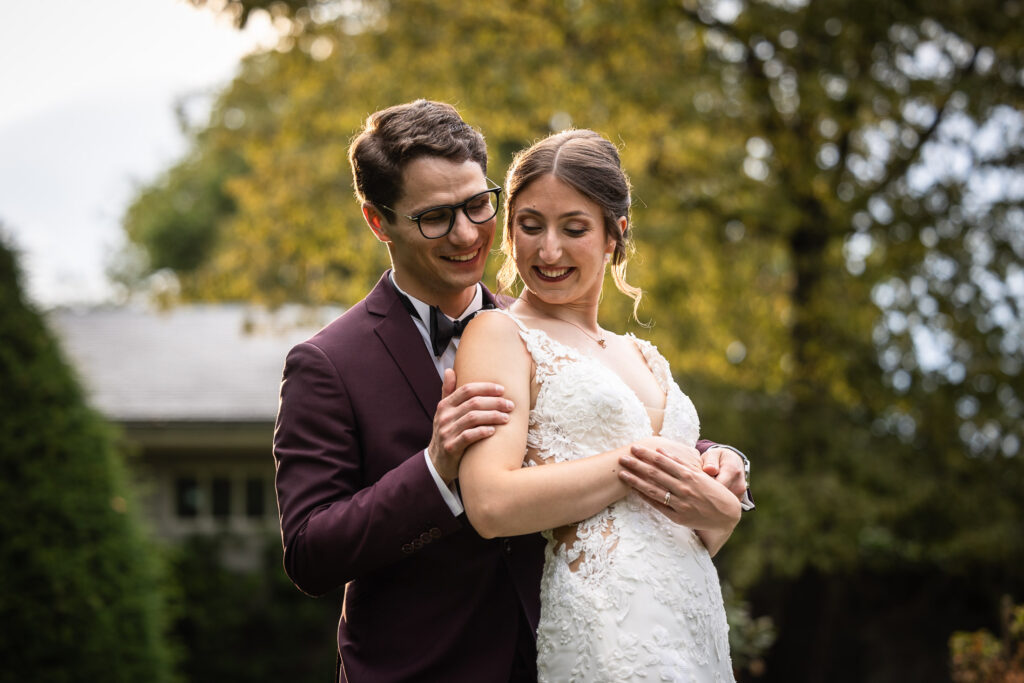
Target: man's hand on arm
point(730, 468)
point(727, 468)
point(464, 416)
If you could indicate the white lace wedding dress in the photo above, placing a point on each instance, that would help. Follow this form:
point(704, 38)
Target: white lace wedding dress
point(626, 595)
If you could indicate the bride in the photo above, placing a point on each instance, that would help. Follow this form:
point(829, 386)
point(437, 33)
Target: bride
point(627, 593)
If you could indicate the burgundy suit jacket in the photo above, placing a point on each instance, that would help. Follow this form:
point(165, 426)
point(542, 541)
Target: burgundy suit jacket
point(426, 598)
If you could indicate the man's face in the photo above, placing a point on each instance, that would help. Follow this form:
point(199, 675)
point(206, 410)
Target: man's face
point(439, 271)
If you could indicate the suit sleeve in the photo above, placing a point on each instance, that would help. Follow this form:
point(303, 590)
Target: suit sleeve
point(335, 527)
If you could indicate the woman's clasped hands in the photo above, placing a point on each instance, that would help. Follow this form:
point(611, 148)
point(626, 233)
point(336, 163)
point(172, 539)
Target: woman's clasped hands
point(671, 476)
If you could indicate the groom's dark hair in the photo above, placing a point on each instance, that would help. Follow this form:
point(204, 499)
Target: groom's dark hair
point(393, 137)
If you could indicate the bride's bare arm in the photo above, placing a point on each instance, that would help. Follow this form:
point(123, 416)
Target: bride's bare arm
point(501, 497)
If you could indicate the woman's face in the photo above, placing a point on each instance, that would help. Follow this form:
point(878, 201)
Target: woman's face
point(560, 242)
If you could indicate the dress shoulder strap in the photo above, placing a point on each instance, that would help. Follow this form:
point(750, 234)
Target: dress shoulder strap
point(548, 355)
point(509, 314)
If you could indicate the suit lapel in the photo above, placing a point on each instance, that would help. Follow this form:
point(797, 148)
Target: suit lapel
point(496, 300)
point(398, 333)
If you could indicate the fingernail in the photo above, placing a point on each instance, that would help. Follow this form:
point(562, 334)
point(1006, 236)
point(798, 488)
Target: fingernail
point(509, 405)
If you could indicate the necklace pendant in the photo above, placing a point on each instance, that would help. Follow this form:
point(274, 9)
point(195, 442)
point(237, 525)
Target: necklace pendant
point(602, 343)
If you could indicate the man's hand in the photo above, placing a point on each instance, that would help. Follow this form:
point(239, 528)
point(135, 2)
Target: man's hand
point(726, 466)
point(464, 416)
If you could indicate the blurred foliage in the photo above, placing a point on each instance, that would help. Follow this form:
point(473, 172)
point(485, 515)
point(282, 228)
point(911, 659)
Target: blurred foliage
point(236, 626)
point(749, 637)
point(80, 589)
point(980, 657)
point(828, 207)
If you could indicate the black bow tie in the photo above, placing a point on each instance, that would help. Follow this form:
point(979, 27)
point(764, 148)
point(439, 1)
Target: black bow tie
point(442, 328)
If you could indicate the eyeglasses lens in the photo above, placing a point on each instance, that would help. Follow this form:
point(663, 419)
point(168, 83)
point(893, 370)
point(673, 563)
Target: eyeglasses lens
point(478, 209)
point(481, 208)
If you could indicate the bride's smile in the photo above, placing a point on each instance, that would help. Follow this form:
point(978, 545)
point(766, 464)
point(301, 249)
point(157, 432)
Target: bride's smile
point(553, 274)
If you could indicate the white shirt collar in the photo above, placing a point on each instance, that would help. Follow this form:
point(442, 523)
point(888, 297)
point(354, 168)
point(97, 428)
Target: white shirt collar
point(423, 309)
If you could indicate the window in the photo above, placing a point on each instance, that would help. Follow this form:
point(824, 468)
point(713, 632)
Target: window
point(254, 497)
point(221, 498)
point(186, 496)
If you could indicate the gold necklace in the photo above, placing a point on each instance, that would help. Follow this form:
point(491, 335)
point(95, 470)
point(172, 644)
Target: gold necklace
point(600, 339)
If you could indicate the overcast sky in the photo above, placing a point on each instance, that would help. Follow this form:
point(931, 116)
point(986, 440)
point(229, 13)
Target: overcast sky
point(87, 93)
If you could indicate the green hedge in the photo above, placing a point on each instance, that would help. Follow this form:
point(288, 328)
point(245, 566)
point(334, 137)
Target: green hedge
point(80, 596)
point(245, 627)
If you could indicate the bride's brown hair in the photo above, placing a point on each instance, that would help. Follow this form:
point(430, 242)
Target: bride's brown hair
point(587, 162)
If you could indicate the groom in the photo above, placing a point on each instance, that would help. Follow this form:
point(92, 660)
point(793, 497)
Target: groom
point(367, 458)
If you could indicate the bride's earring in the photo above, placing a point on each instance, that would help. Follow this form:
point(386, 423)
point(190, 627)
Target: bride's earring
point(607, 257)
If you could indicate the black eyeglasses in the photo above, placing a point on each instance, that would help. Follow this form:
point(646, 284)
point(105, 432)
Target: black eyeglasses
point(438, 221)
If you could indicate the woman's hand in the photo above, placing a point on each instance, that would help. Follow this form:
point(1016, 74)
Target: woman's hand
point(670, 476)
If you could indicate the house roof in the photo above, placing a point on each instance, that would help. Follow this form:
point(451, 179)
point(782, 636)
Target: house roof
point(195, 363)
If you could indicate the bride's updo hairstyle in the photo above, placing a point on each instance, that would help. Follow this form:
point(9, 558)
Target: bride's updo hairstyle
point(588, 163)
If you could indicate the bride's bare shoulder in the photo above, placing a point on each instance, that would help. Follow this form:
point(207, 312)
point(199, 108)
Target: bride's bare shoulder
point(489, 322)
point(491, 349)
point(492, 331)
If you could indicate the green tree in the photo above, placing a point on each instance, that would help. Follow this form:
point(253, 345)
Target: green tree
point(80, 594)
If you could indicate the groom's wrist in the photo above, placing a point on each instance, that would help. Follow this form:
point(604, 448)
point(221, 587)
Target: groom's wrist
point(747, 500)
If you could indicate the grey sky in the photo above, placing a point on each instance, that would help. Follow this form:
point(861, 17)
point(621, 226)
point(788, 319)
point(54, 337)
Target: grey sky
point(87, 91)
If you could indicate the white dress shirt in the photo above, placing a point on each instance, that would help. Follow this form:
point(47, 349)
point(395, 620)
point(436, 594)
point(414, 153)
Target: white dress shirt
point(442, 363)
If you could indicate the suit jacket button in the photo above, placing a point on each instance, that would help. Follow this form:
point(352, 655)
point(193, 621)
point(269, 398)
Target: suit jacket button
point(417, 543)
point(425, 537)
point(407, 548)
point(435, 532)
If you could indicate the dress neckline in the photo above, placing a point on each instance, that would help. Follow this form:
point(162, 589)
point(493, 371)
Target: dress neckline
point(575, 354)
